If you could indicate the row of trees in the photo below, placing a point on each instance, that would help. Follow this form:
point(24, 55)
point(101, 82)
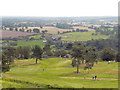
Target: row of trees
point(79, 52)
point(77, 30)
point(89, 55)
point(35, 30)
point(105, 30)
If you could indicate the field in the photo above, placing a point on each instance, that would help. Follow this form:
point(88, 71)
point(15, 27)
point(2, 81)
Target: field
point(82, 36)
point(30, 43)
point(13, 34)
point(54, 30)
point(78, 27)
point(58, 72)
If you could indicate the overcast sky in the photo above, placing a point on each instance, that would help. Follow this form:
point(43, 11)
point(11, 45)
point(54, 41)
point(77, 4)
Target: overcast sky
point(59, 7)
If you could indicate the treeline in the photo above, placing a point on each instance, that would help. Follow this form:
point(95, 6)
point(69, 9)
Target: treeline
point(77, 30)
point(25, 29)
point(78, 52)
point(63, 26)
point(105, 30)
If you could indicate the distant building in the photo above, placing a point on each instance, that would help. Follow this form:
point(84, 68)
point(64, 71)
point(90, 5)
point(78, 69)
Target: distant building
point(44, 41)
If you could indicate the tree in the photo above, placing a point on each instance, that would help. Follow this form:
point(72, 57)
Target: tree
point(78, 52)
point(118, 57)
point(43, 32)
point(46, 31)
point(26, 52)
point(63, 26)
point(60, 52)
point(16, 29)
point(37, 52)
point(11, 29)
point(90, 58)
point(10, 54)
point(69, 46)
point(5, 64)
point(23, 52)
point(26, 27)
point(58, 32)
point(108, 54)
point(73, 63)
point(19, 52)
point(35, 30)
point(47, 49)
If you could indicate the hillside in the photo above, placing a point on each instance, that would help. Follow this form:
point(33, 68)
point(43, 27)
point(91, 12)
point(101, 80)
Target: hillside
point(58, 72)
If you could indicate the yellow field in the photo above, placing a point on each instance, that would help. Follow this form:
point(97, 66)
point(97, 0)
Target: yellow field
point(53, 30)
point(83, 28)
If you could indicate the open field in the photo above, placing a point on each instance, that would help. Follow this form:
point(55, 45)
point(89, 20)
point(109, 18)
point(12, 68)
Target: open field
point(82, 36)
point(59, 73)
point(78, 27)
point(13, 34)
point(30, 43)
point(54, 30)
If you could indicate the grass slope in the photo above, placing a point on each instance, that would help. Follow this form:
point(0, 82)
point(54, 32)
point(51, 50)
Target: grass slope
point(26, 73)
point(82, 36)
point(30, 43)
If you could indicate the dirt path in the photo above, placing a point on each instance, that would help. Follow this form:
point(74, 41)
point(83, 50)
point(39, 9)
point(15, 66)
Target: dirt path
point(88, 78)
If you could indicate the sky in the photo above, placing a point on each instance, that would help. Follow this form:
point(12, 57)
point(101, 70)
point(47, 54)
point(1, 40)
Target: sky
point(59, 8)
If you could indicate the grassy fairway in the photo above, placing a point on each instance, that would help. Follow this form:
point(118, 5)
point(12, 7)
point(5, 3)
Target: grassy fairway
point(59, 73)
point(30, 43)
point(82, 36)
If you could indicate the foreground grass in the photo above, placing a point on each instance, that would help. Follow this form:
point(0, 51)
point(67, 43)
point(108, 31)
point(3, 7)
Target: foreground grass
point(25, 73)
point(82, 36)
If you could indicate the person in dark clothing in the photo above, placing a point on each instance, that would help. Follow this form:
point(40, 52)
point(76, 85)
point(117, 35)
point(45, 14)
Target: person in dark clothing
point(95, 77)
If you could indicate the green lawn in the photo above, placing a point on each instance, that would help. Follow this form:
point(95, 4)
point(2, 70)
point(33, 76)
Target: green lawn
point(25, 73)
point(82, 36)
point(30, 43)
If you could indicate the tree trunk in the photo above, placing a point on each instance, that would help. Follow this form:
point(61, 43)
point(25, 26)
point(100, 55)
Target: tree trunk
point(36, 60)
point(96, 62)
point(82, 61)
point(78, 65)
point(78, 68)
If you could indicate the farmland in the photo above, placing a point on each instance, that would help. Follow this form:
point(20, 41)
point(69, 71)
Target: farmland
point(14, 34)
point(78, 27)
point(82, 36)
point(30, 43)
point(54, 30)
point(59, 73)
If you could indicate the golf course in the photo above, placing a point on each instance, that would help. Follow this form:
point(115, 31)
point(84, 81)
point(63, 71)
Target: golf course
point(59, 73)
